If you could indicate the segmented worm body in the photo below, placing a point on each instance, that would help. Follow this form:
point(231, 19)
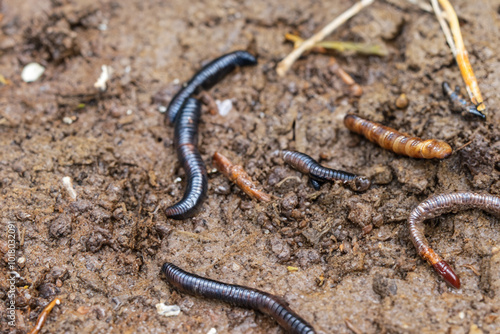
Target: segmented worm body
point(319, 174)
point(238, 296)
point(236, 174)
point(436, 206)
point(44, 315)
point(458, 102)
point(207, 77)
point(186, 142)
point(397, 142)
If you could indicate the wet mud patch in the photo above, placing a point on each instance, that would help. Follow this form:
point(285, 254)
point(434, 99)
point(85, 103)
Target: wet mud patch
point(102, 252)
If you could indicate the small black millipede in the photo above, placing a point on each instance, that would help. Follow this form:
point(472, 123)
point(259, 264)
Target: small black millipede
point(436, 206)
point(207, 77)
point(319, 174)
point(186, 142)
point(459, 103)
point(237, 295)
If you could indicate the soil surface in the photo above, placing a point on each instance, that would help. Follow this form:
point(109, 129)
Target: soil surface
point(102, 253)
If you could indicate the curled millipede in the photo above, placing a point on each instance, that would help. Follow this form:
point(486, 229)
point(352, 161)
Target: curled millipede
point(44, 315)
point(237, 295)
point(458, 103)
point(186, 142)
point(236, 174)
point(397, 142)
point(319, 174)
point(207, 77)
point(436, 206)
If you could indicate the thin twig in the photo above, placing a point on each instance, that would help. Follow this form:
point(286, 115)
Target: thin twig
point(444, 27)
point(288, 61)
point(422, 5)
point(462, 57)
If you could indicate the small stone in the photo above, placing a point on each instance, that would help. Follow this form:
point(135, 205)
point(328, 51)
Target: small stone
point(168, 310)
point(402, 101)
point(32, 72)
point(224, 106)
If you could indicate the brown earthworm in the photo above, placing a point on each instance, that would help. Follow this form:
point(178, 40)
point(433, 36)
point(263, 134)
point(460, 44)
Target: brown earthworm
point(236, 174)
point(43, 316)
point(436, 206)
point(397, 142)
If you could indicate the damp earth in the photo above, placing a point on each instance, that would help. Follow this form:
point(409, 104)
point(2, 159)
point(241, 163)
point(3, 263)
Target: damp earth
point(101, 253)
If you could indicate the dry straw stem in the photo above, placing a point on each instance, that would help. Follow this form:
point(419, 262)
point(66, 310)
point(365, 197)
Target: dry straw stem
point(324, 46)
point(461, 55)
point(288, 61)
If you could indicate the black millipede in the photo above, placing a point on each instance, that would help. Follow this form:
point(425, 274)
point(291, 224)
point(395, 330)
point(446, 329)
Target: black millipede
point(458, 103)
point(186, 142)
point(207, 77)
point(436, 206)
point(319, 174)
point(237, 295)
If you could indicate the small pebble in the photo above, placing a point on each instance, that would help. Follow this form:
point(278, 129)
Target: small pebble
point(103, 78)
point(224, 106)
point(168, 310)
point(402, 101)
point(32, 72)
point(212, 331)
point(67, 120)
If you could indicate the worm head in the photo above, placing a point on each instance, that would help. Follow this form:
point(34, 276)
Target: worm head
point(432, 148)
point(360, 183)
point(447, 273)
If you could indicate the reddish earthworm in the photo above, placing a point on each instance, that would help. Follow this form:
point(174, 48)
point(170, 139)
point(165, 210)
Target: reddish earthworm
point(236, 174)
point(237, 295)
point(436, 206)
point(186, 142)
point(207, 77)
point(354, 88)
point(458, 103)
point(43, 316)
point(319, 174)
point(397, 142)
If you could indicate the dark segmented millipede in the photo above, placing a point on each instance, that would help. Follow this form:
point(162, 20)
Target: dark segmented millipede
point(237, 295)
point(207, 77)
point(459, 103)
point(396, 141)
point(319, 174)
point(186, 142)
point(436, 206)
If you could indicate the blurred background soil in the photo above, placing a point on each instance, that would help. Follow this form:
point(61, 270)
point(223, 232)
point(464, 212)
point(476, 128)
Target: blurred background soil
point(102, 253)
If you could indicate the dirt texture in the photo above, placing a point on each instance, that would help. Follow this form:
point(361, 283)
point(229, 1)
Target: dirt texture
point(102, 252)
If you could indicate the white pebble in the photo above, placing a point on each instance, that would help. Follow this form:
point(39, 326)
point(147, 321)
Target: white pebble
point(32, 72)
point(103, 78)
point(67, 120)
point(212, 331)
point(168, 310)
point(162, 109)
point(68, 185)
point(224, 106)
point(103, 26)
point(177, 180)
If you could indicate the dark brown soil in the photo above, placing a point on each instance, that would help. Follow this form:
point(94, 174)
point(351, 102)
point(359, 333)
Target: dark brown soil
point(102, 253)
